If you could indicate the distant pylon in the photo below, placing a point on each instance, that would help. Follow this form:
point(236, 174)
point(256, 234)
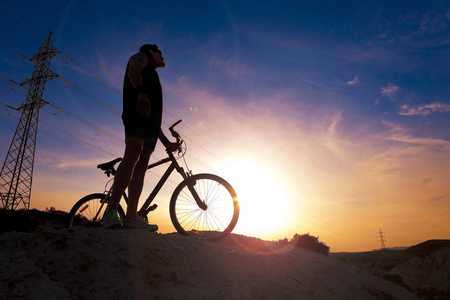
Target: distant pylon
point(383, 246)
point(17, 171)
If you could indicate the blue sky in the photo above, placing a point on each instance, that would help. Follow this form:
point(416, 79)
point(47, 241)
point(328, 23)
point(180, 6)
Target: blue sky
point(343, 107)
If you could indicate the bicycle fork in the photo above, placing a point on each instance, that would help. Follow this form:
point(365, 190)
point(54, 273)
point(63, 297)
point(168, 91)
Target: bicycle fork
point(147, 207)
point(200, 203)
point(190, 184)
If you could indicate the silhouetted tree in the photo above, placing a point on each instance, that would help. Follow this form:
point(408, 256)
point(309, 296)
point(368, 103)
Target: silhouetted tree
point(283, 241)
point(310, 243)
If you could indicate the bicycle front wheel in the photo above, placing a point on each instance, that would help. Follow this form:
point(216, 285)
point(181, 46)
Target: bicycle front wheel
point(217, 220)
point(89, 211)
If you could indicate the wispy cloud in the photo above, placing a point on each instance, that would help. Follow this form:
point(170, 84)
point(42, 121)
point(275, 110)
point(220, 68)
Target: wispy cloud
point(354, 81)
point(390, 91)
point(403, 151)
point(429, 142)
point(361, 53)
point(425, 109)
point(440, 198)
point(230, 65)
point(417, 31)
point(400, 134)
point(433, 22)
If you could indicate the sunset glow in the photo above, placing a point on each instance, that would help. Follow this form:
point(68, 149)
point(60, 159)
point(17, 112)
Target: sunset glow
point(263, 198)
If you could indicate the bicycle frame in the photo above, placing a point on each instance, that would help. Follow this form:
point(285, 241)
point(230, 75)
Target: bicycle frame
point(145, 209)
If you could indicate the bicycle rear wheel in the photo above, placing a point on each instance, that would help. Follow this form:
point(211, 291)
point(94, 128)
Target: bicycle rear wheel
point(213, 223)
point(89, 211)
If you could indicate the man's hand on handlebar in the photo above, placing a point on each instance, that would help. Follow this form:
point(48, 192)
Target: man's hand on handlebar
point(172, 147)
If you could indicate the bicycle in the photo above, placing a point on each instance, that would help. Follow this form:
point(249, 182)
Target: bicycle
point(202, 205)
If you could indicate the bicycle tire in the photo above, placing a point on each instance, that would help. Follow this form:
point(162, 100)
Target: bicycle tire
point(89, 210)
point(214, 223)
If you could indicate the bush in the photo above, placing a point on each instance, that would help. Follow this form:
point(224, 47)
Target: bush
point(310, 243)
point(23, 220)
point(19, 220)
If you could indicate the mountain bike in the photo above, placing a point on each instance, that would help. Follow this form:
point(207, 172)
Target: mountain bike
point(202, 205)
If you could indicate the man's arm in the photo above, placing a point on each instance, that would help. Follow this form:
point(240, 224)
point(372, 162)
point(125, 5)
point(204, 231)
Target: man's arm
point(136, 64)
point(163, 138)
point(168, 144)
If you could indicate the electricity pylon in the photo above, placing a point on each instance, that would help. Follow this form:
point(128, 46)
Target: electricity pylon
point(383, 246)
point(17, 171)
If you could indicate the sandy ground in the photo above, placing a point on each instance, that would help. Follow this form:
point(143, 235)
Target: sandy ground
point(97, 263)
point(427, 272)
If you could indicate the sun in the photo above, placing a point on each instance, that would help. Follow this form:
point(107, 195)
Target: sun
point(263, 199)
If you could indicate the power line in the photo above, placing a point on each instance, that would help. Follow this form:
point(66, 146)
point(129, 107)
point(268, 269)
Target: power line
point(117, 112)
point(108, 85)
point(81, 91)
point(64, 132)
point(107, 106)
point(104, 105)
point(92, 60)
point(67, 112)
point(75, 116)
point(79, 139)
point(64, 55)
point(195, 143)
point(12, 81)
point(83, 141)
point(328, 224)
point(92, 74)
point(7, 43)
point(20, 21)
point(92, 97)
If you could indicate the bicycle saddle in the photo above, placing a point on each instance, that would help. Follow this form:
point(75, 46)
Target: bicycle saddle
point(109, 165)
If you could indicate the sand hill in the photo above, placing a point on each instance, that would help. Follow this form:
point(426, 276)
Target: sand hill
point(429, 272)
point(423, 268)
point(133, 264)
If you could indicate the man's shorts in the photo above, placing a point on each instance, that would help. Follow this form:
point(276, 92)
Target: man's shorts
point(138, 130)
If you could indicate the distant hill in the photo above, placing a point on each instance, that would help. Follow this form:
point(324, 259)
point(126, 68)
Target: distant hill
point(392, 254)
point(427, 247)
point(395, 248)
point(426, 274)
point(422, 268)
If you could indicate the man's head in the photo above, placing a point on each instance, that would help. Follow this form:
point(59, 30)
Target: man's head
point(154, 55)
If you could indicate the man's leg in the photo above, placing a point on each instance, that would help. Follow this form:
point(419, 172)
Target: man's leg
point(133, 149)
point(137, 182)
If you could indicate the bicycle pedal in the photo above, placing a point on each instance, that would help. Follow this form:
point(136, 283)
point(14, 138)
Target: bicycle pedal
point(153, 207)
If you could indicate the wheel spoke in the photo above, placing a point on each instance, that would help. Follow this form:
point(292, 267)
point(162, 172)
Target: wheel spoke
point(89, 211)
point(221, 214)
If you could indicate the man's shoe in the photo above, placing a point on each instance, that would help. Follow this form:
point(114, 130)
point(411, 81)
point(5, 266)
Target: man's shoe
point(111, 220)
point(140, 223)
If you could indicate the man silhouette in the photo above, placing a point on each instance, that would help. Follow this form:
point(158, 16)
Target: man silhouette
point(142, 116)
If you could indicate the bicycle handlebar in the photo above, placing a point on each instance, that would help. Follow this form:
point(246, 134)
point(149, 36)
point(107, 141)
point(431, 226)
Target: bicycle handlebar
point(174, 133)
point(175, 124)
